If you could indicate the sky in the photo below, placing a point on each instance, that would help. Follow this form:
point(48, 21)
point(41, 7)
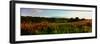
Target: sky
point(36, 12)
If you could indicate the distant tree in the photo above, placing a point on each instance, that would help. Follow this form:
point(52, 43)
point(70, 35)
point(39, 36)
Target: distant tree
point(77, 18)
point(83, 19)
point(71, 18)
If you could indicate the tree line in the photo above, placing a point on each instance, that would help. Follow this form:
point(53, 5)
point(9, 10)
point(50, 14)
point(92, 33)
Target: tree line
point(51, 20)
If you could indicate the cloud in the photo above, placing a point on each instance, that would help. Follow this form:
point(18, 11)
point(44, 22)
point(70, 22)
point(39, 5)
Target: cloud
point(55, 13)
point(30, 12)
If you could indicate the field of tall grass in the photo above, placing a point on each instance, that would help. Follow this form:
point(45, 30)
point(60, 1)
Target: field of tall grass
point(46, 27)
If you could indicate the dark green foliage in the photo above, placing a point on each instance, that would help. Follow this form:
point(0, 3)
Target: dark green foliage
point(77, 18)
point(83, 19)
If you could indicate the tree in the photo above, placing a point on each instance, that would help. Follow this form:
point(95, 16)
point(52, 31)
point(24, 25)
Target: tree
point(77, 18)
point(71, 18)
point(83, 19)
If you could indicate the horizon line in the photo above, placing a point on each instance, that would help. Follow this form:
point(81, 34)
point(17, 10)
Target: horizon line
point(56, 17)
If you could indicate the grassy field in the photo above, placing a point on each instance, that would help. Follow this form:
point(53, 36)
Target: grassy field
point(38, 26)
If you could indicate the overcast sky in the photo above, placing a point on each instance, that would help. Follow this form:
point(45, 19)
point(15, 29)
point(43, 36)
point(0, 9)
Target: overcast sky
point(55, 13)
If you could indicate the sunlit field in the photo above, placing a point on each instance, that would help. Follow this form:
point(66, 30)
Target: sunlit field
point(44, 25)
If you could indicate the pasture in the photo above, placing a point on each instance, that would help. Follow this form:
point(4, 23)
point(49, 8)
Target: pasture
point(38, 25)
